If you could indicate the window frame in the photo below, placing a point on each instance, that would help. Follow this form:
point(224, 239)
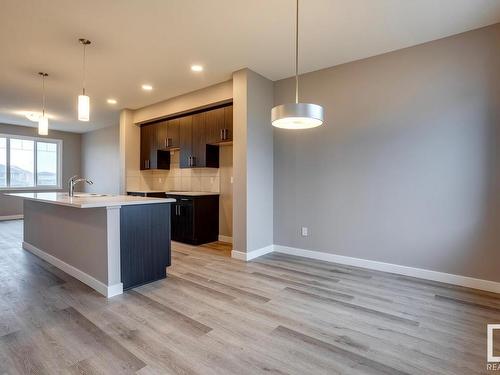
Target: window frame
point(35, 187)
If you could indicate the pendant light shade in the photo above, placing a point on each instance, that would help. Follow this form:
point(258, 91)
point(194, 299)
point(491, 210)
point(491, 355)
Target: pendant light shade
point(83, 108)
point(43, 125)
point(297, 115)
point(43, 121)
point(83, 100)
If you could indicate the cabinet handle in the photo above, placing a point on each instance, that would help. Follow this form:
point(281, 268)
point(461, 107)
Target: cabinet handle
point(222, 134)
point(193, 161)
point(166, 142)
point(169, 142)
point(225, 134)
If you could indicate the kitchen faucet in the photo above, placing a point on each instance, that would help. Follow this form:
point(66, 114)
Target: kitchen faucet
point(73, 181)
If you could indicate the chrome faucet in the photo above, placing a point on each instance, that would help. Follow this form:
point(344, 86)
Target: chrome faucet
point(73, 181)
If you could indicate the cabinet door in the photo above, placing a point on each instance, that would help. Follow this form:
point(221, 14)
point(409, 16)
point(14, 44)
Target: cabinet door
point(145, 161)
point(173, 133)
point(153, 146)
point(162, 135)
point(186, 141)
point(199, 140)
point(228, 123)
point(176, 228)
point(186, 221)
point(214, 125)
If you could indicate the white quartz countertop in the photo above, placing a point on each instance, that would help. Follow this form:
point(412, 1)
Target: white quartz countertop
point(145, 191)
point(190, 193)
point(89, 201)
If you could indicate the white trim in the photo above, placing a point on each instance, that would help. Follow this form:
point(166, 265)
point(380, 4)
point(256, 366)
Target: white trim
point(469, 282)
point(105, 290)
point(227, 239)
point(11, 217)
point(246, 256)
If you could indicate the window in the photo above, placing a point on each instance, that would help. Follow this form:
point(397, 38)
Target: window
point(29, 163)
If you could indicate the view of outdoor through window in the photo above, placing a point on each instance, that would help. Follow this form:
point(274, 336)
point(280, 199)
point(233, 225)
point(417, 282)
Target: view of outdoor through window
point(46, 158)
point(22, 163)
point(32, 163)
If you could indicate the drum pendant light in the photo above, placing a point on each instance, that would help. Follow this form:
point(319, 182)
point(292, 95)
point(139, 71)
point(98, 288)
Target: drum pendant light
point(297, 115)
point(43, 121)
point(84, 100)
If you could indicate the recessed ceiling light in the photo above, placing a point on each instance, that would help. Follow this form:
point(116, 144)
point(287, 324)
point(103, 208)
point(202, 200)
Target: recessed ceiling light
point(147, 87)
point(112, 101)
point(196, 68)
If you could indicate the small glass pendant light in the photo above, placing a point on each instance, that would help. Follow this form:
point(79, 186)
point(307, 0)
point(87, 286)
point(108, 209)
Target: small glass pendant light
point(297, 115)
point(43, 121)
point(84, 100)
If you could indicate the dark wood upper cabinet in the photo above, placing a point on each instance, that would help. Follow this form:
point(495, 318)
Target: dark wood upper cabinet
point(173, 133)
point(198, 155)
point(151, 154)
point(194, 150)
point(228, 123)
point(185, 141)
point(198, 137)
point(219, 125)
point(214, 125)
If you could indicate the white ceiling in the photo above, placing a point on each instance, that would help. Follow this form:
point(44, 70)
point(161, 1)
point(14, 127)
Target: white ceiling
point(155, 41)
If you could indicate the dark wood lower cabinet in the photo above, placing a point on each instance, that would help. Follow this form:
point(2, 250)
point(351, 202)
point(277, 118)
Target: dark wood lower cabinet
point(195, 219)
point(144, 243)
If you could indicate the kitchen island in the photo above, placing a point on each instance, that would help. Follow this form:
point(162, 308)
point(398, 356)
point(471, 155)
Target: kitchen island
point(110, 243)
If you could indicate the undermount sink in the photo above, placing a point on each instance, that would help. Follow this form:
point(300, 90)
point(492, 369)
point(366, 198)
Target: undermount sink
point(88, 195)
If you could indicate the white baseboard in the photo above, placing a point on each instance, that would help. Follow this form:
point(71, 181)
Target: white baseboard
point(106, 290)
point(11, 217)
point(241, 255)
point(225, 239)
point(469, 282)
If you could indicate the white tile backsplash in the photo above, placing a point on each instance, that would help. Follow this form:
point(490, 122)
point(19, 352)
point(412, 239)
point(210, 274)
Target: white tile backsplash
point(185, 179)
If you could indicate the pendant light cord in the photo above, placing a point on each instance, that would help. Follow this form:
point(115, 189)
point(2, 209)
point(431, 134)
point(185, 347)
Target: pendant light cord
point(297, 53)
point(43, 95)
point(84, 46)
point(43, 75)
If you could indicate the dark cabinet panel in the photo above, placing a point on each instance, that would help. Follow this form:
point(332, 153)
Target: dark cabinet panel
point(144, 243)
point(198, 141)
point(214, 125)
point(219, 125)
point(194, 150)
point(173, 133)
point(228, 123)
point(195, 220)
point(151, 154)
point(186, 141)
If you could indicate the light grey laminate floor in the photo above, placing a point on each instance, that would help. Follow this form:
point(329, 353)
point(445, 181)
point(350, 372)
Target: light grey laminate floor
point(213, 315)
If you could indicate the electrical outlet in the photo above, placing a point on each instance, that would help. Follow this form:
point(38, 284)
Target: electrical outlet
point(305, 232)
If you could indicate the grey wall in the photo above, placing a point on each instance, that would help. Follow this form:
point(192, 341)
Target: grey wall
point(252, 161)
point(101, 160)
point(70, 161)
point(406, 168)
